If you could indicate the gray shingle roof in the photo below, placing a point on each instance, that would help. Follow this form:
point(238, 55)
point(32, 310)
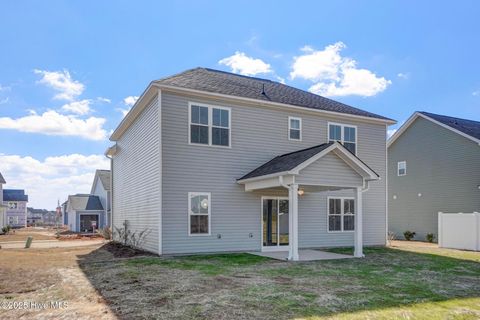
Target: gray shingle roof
point(286, 161)
point(222, 82)
point(14, 195)
point(470, 127)
point(2, 180)
point(85, 202)
point(104, 176)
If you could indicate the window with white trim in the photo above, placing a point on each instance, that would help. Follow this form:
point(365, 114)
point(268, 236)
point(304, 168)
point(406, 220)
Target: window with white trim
point(345, 134)
point(402, 168)
point(294, 128)
point(209, 125)
point(341, 214)
point(13, 205)
point(198, 213)
point(12, 220)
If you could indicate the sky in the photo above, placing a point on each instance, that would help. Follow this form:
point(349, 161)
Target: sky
point(70, 70)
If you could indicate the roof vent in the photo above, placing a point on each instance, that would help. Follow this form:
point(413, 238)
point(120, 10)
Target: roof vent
point(263, 89)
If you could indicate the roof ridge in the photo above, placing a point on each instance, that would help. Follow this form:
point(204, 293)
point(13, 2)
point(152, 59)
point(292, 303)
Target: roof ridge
point(298, 151)
point(442, 115)
point(238, 75)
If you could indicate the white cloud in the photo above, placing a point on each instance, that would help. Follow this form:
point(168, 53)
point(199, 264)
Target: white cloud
point(391, 132)
point(335, 75)
point(123, 111)
point(81, 107)
point(404, 76)
point(3, 101)
point(104, 100)
point(476, 93)
point(242, 64)
point(53, 123)
point(5, 88)
point(61, 81)
point(130, 100)
point(53, 178)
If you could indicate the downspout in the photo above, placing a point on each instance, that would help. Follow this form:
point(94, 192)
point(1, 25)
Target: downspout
point(111, 192)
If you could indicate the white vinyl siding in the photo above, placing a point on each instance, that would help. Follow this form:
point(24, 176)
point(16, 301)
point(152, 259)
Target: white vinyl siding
point(294, 128)
point(136, 177)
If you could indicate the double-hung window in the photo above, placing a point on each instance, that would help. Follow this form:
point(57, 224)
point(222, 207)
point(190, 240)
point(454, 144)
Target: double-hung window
point(341, 214)
point(199, 213)
point(401, 168)
point(209, 125)
point(12, 205)
point(345, 134)
point(294, 128)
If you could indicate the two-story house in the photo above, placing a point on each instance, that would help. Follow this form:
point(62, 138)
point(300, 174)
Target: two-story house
point(210, 161)
point(101, 188)
point(16, 213)
point(433, 166)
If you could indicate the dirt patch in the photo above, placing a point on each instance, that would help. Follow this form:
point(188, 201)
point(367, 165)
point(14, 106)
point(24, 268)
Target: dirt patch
point(120, 251)
point(24, 233)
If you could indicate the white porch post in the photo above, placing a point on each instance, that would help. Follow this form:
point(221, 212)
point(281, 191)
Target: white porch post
point(293, 222)
point(359, 225)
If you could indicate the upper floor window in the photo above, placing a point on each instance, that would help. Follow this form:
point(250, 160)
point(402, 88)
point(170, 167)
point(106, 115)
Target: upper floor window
point(209, 125)
point(198, 213)
point(294, 128)
point(13, 205)
point(401, 168)
point(345, 134)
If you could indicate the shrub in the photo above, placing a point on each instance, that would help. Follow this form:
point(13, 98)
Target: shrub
point(129, 238)
point(105, 232)
point(409, 235)
point(6, 229)
point(430, 237)
point(390, 237)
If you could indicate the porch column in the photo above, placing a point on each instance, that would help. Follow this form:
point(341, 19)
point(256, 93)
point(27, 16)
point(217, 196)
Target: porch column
point(359, 225)
point(293, 222)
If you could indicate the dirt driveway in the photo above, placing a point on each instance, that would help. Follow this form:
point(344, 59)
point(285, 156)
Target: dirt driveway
point(49, 276)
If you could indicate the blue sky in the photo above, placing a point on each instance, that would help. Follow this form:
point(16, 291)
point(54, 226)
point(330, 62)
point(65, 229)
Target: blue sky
point(66, 67)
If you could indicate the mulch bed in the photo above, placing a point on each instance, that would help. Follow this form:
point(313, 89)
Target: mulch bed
point(120, 251)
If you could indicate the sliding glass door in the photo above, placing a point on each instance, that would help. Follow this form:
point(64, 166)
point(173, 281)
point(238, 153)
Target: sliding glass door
point(275, 218)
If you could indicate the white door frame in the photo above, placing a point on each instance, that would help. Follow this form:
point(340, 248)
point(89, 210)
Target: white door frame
point(278, 247)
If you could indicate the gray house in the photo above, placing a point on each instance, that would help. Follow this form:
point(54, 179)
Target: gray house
point(433, 166)
point(101, 188)
point(85, 213)
point(210, 161)
point(3, 207)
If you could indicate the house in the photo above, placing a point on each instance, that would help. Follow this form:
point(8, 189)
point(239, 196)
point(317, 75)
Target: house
point(101, 188)
point(85, 213)
point(210, 161)
point(433, 166)
point(41, 217)
point(16, 213)
point(3, 207)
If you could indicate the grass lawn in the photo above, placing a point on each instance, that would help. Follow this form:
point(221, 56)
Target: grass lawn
point(406, 282)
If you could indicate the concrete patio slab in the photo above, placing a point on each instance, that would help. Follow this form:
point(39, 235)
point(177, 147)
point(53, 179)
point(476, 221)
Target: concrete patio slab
point(303, 255)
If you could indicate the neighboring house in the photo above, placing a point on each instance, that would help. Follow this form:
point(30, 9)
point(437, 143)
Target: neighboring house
point(64, 217)
point(85, 213)
point(41, 217)
point(210, 161)
point(3, 207)
point(101, 188)
point(433, 166)
point(16, 201)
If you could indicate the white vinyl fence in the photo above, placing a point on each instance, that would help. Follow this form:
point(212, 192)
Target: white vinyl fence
point(459, 230)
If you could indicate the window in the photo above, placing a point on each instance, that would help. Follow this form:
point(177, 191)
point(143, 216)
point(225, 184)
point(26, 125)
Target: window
point(294, 128)
point(341, 214)
point(199, 213)
point(345, 134)
point(209, 125)
point(12, 205)
point(13, 220)
point(401, 168)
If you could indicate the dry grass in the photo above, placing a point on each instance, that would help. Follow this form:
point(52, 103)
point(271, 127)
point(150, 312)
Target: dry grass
point(411, 281)
point(22, 234)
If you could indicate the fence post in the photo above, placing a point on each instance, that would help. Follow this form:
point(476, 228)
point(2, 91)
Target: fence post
point(440, 244)
point(477, 230)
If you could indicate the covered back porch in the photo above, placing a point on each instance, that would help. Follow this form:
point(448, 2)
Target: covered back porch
point(285, 180)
